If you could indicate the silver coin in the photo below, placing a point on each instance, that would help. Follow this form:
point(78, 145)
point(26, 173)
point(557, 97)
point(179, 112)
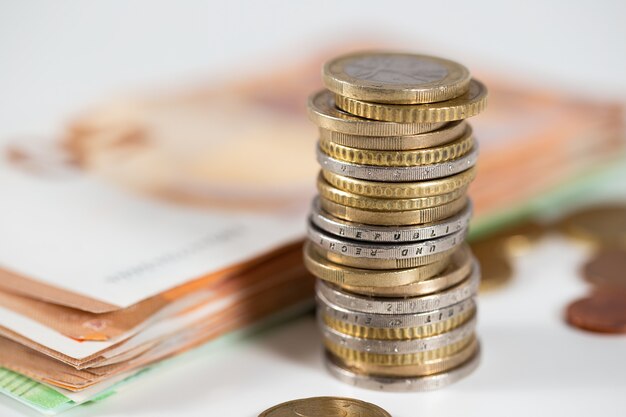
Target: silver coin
point(392, 321)
point(399, 347)
point(398, 174)
point(412, 305)
point(358, 231)
point(423, 383)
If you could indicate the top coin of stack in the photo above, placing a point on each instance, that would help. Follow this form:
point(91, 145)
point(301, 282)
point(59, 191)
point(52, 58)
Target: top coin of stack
point(396, 283)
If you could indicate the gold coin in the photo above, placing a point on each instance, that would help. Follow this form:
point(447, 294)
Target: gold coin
point(403, 359)
point(401, 78)
point(393, 218)
point(325, 407)
point(403, 333)
point(600, 225)
point(401, 189)
point(345, 198)
point(370, 263)
point(324, 113)
point(495, 268)
point(433, 155)
point(344, 275)
point(458, 267)
point(429, 367)
point(469, 104)
point(449, 132)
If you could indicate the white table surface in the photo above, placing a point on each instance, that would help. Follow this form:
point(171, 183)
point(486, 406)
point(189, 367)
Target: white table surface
point(57, 57)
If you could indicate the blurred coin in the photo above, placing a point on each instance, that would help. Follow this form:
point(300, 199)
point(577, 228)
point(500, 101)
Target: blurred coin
point(467, 105)
point(600, 225)
point(607, 268)
point(401, 78)
point(495, 266)
point(325, 407)
point(325, 114)
point(604, 311)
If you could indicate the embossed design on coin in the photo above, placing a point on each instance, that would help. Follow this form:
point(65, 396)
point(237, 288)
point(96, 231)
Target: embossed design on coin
point(395, 69)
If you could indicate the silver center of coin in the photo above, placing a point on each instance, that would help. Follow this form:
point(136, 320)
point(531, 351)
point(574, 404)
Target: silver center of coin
point(395, 69)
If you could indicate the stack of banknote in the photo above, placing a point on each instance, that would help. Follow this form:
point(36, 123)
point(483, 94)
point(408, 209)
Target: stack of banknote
point(157, 220)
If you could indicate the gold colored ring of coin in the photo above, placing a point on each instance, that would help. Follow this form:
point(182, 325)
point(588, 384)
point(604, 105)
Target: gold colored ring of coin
point(325, 114)
point(403, 333)
point(459, 267)
point(342, 275)
point(346, 198)
point(393, 218)
point(400, 189)
point(448, 133)
point(434, 155)
point(406, 359)
point(429, 367)
point(389, 77)
point(467, 105)
point(378, 264)
point(326, 407)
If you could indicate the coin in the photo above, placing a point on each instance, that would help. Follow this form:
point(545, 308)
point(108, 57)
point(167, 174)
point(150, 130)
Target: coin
point(428, 367)
point(467, 105)
point(383, 264)
point(607, 268)
point(400, 384)
point(458, 269)
point(345, 275)
point(388, 347)
point(398, 174)
point(390, 77)
point(325, 407)
point(604, 311)
point(346, 198)
point(496, 268)
point(371, 233)
point(600, 225)
point(394, 218)
point(411, 305)
point(395, 327)
point(432, 155)
point(447, 133)
point(396, 359)
point(325, 114)
point(401, 189)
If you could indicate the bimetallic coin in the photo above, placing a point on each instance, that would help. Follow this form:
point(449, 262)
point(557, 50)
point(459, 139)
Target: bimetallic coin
point(467, 105)
point(325, 407)
point(394, 218)
point(449, 132)
point(345, 198)
point(607, 268)
point(370, 233)
point(394, 327)
point(604, 311)
point(458, 268)
point(398, 174)
point(396, 359)
point(325, 114)
point(433, 155)
point(600, 225)
point(404, 250)
point(344, 275)
point(428, 367)
point(401, 189)
point(390, 347)
point(400, 384)
point(383, 264)
point(402, 78)
point(413, 305)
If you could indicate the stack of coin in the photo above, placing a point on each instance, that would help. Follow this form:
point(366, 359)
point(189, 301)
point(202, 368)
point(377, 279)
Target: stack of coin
point(397, 284)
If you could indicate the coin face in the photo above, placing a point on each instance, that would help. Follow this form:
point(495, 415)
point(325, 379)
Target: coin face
point(600, 225)
point(607, 268)
point(604, 311)
point(325, 407)
point(399, 78)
